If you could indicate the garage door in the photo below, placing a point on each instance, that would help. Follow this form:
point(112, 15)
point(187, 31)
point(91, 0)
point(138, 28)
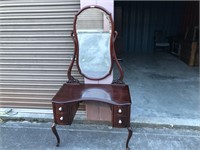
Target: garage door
point(35, 50)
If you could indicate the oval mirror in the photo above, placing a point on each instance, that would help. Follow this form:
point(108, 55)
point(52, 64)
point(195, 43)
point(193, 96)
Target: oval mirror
point(93, 32)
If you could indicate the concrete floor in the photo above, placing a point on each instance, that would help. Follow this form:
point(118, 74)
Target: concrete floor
point(164, 89)
point(38, 136)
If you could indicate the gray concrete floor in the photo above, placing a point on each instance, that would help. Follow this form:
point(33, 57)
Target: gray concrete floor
point(164, 89)
point(38, 136)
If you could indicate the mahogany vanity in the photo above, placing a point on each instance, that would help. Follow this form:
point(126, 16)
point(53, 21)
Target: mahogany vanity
point(66, 101)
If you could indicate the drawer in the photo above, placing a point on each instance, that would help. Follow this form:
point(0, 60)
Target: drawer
point(121, 122)
point(64, 113)
point(121, 110)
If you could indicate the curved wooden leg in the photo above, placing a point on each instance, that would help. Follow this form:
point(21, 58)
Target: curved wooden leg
point(130, 132)
point(53, 128)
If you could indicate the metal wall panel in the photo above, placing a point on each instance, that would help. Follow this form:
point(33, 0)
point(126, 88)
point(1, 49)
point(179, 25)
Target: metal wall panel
point(140, 19)
point(35, 50)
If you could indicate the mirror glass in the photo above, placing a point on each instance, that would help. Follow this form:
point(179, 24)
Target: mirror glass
point(93, 30)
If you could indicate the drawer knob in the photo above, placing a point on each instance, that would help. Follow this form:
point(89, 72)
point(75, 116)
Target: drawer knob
point(60, 108)
point(120, 121)
point(61, 118)
point(120, 110)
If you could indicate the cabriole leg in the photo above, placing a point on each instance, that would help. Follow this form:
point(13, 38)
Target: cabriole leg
point(53, 128)
point(130, 132)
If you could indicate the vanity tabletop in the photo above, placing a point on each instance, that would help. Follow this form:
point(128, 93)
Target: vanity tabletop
point(117, 94)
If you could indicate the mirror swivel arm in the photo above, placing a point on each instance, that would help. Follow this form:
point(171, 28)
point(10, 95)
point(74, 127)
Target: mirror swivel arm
point(120, 79)
point(71, 79)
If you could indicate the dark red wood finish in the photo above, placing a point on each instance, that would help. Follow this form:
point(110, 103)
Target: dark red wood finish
point(112, 48)
point(108, 93)
point(66, 101)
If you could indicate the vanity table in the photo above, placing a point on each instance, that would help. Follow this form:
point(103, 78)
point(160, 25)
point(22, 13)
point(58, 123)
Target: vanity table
point(117, 97)
point(90, 45)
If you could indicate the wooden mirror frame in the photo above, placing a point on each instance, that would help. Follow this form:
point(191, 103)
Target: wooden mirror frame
point(112, 49)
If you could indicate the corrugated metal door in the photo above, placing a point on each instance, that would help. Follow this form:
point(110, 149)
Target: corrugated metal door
point(35, 50)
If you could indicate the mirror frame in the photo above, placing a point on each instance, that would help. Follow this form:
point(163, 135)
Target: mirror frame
point(75, 57)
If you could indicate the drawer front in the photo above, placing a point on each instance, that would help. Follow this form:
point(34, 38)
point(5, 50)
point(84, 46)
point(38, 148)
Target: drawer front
point(64, 113)
point(121, 116)
point(60, 113)
point(121, 122)
point(121, 110)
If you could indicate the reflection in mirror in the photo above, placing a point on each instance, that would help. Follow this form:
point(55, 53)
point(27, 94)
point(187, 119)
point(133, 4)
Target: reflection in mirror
point(94, 92)
point(94, 54)
point(93, 19)
point(93, 32)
